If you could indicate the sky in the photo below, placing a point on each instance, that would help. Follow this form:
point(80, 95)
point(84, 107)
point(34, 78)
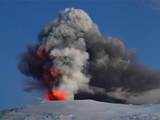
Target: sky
point(136, 22)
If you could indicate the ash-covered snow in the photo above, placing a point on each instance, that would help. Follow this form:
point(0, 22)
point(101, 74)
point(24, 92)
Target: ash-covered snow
point(82, 110)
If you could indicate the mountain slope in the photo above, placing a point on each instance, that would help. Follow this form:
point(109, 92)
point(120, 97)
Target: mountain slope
point(82, 110)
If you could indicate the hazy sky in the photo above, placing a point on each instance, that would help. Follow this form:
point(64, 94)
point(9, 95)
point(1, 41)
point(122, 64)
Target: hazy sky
point(136, 22)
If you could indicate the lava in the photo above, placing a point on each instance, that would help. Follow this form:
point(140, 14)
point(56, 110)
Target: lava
point(57, 95)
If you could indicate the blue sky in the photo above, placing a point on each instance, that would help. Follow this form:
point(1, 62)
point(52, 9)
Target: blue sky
point(134, 21)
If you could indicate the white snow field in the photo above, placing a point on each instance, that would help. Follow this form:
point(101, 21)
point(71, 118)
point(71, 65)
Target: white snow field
point(82, 110)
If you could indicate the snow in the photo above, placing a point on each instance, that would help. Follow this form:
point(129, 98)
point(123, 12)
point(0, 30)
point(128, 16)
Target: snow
point(82, 110)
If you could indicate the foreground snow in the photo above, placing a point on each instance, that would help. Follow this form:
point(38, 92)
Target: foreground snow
point(82, 110)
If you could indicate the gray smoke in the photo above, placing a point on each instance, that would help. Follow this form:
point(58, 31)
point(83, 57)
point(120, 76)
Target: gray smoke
point(73, 55)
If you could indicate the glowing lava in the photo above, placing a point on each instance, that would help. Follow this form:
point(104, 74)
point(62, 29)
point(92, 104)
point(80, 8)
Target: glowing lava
point(60, 95)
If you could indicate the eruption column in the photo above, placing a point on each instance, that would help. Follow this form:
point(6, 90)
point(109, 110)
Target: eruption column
point(73, 59)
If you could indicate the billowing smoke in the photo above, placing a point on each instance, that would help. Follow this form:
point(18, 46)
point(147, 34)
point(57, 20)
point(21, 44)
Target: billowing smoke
point(73, 60)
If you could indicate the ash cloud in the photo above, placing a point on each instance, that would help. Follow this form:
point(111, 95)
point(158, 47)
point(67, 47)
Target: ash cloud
point(72, 54)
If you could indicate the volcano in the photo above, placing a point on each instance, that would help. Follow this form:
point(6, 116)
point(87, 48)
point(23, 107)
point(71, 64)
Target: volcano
point(72, 59)
point(81, 110)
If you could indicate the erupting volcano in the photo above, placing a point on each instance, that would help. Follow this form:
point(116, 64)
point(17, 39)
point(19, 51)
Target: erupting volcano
point(73, 60)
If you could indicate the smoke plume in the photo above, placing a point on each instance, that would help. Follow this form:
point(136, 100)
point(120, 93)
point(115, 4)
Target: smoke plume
point(73, 60)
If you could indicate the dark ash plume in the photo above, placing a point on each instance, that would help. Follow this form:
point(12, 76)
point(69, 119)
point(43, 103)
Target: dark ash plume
point(72, 55)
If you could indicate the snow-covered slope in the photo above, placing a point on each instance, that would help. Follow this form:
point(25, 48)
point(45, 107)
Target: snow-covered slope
point(82, 110)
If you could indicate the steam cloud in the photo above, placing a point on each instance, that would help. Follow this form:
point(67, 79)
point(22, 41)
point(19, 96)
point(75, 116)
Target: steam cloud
point(72, 55)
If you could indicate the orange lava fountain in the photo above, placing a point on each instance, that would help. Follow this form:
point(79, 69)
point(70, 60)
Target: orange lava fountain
point(57, 95)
